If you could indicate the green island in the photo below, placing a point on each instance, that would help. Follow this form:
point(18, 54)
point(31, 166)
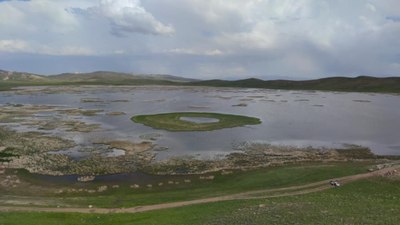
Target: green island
point(174, 122)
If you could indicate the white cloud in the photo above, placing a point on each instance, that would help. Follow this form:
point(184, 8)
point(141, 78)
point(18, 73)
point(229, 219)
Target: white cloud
point(65, 51)
point(21, 46)
point(128, 16)
point(13, 46)
point(37, 16)
point(186, 51)
point(257, 39)
point(370, 7)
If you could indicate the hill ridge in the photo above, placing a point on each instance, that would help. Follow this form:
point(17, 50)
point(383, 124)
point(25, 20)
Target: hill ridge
point(360, 83)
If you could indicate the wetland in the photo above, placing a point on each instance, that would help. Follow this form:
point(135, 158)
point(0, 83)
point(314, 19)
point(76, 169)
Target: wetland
point(88, 131)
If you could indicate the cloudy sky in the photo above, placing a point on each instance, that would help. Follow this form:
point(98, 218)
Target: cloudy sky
point(204, 39)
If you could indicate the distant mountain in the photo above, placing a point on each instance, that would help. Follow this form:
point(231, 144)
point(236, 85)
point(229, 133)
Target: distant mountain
point(19, 76)
point(107, 76)
point(357, 84)
point(93, 77)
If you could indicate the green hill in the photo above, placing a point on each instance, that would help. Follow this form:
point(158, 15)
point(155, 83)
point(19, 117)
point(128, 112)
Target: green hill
point(107, 76)
point(19, 76)
point(358, 84)
point(12, 79)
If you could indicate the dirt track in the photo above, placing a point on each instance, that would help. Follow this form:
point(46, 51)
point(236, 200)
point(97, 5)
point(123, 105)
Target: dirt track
point(268, 193)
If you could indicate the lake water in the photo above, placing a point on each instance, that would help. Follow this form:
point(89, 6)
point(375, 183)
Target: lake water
point(299, 118)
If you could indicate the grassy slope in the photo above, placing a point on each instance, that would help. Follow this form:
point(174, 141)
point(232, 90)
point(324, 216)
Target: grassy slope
point(222, 185)
point(95, 78)
point(358, 84)
point(373, 201)
point(106, 76)
point(96, 82)
point(276, 177)
point(172, 122)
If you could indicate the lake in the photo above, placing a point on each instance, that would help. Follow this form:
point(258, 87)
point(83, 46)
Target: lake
point(296, 118)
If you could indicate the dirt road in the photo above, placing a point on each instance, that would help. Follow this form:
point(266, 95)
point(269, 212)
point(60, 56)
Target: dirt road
point(268, 193)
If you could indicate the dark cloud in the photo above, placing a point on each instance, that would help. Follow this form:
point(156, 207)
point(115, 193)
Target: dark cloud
point(393, 18)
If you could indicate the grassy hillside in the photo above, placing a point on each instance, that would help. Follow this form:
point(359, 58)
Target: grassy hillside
point(358, 84)
point(7, 76)
point(9, 80)
point(13, 79)
point(107, 76)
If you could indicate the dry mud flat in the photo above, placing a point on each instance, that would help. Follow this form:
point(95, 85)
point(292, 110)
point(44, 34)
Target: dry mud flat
point(30, 150)
point(256, 155)
point(130, 148)
point(37, 150)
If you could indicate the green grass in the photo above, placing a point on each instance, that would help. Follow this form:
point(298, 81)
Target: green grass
point(282, 176)
point(6, 155)
point(344, 84)
point(172, 121)
point(223, 185)
point(374, 201)
point(5, 86)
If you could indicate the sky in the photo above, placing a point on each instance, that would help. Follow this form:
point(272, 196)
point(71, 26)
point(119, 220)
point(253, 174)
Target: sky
point(225, 39)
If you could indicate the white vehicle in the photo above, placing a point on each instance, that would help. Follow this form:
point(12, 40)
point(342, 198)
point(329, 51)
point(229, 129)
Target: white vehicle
point(335, 183)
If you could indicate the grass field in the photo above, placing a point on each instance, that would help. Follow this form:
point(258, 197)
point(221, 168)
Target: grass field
point(221, 185)
point(5, 86)
point(373, 201)
point(172, 121)
point(124, 196)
